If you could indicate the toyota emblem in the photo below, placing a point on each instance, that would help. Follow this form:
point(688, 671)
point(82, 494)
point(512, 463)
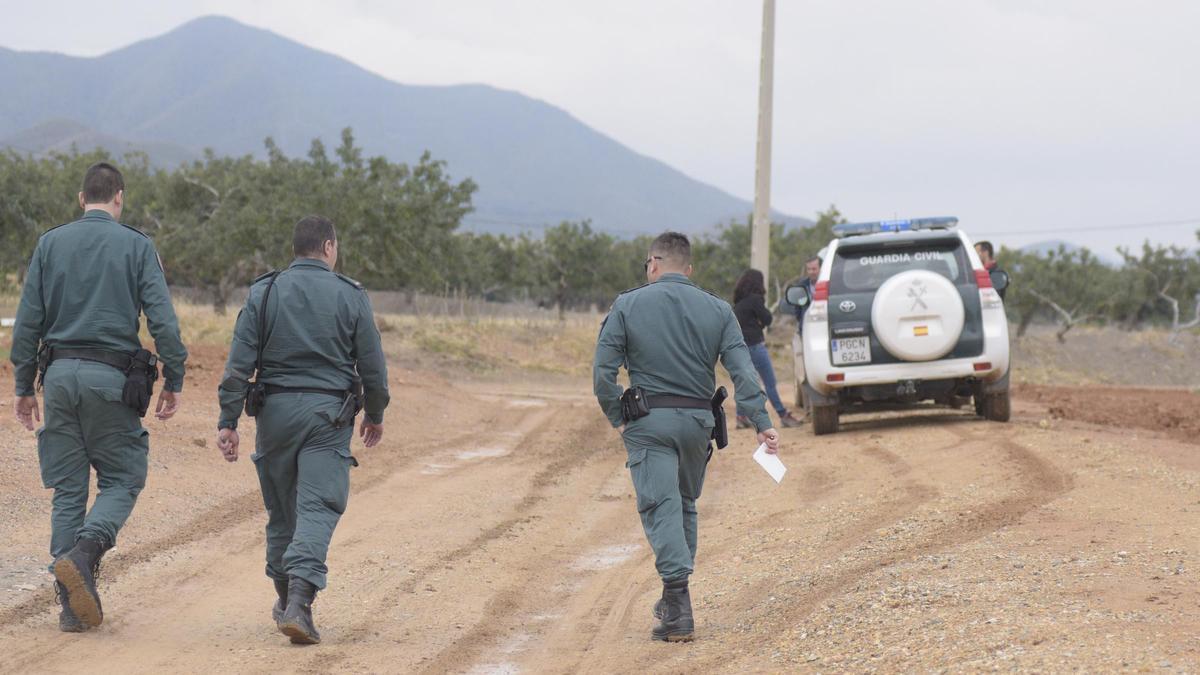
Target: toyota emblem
point(847, 306)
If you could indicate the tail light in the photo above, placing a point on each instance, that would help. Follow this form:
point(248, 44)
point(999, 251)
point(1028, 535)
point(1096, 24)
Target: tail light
point(821, 290)
point(982, 366)
point(835, 377)
point(983, 279)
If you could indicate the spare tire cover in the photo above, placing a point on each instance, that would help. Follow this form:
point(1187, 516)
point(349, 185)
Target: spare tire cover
point(917, 315)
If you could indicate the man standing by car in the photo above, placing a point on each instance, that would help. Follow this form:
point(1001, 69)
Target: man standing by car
point(987, 256)
point(310, 335)
point(77, 323)
point(812, 271)
point(669, 335)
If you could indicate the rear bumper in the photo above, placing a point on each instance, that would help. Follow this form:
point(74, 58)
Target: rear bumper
point(818, 367)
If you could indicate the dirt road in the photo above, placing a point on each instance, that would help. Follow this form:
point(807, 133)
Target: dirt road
point(494, 530)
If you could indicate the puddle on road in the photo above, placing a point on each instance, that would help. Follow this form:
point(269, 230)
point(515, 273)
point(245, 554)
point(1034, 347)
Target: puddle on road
point(482, 453)
point(435, 469)
point(494, 669)
point(527, 403)
point(604, 558)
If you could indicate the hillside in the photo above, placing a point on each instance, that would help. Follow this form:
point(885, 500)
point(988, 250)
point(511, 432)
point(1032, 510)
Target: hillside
point(216, 83)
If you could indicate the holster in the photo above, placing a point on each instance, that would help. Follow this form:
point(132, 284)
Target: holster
point(256, 398)
point(720, 432)
point(351, 405)
point(139, 381)
point(43, 362)
point(634, 405)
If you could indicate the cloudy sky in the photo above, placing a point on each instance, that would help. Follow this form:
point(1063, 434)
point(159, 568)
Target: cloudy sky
point(1028, 119)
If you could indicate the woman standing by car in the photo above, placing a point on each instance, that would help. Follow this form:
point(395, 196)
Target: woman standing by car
point(750, 307)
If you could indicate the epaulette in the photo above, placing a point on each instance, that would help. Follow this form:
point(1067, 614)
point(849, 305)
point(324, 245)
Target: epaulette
point(130, 227)
point(630, 290)
point(51, 230)
point(350, 281)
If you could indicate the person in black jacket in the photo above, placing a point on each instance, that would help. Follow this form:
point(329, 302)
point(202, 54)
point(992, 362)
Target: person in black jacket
point(750, 307)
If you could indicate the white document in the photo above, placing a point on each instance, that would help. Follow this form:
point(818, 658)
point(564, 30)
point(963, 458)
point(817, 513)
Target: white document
point(770, 463)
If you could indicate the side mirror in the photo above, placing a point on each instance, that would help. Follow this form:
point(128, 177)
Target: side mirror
point(999, 279)
point(797, 296)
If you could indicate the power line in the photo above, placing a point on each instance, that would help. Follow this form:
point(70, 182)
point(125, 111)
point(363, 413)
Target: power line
point(1097, 228)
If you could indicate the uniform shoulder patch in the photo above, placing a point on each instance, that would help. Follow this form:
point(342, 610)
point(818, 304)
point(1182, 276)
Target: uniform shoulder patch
point(130, 227)
point(350, 281)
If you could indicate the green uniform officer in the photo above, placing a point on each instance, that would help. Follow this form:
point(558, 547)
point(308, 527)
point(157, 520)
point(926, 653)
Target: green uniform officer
point(669, 335)
point(315, 334)
point(87, 284)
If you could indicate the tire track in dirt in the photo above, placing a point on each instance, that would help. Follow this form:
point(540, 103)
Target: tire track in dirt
point(1039, 482)
point(214, 520)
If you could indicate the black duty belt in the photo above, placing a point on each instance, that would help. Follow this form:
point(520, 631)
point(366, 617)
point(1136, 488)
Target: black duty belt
point(669, 401)
point(277, 389)
point(117, 360)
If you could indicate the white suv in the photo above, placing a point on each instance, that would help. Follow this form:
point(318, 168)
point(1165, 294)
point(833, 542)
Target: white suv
point(903, 312)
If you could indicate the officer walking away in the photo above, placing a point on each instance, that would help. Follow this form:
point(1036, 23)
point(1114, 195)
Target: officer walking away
point(987, 256)
point(669, 334)
point(307, 336)
point(812, 271)
point(77, 332)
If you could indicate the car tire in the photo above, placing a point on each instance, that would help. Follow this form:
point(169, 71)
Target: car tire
point(800, 395)
point(824, 419)
point(997, 407)
point(979, 402)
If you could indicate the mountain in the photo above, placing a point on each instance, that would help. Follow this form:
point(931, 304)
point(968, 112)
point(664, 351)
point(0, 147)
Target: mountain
point(60, 135)
point(216, 83)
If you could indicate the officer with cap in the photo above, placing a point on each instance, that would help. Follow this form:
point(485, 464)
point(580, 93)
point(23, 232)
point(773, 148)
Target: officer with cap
point(308, 337)
point(87, 284)
point(669, 335)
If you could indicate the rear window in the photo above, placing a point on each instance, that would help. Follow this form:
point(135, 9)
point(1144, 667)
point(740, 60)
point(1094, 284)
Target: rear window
point(866, 270)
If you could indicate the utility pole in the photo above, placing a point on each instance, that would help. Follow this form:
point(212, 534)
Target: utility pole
point(760, 229)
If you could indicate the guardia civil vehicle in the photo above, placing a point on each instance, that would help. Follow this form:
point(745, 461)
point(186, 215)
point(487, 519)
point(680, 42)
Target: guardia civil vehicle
point(903, 313)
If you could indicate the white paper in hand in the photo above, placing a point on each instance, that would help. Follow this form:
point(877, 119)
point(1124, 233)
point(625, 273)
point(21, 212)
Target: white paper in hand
point(770, 463)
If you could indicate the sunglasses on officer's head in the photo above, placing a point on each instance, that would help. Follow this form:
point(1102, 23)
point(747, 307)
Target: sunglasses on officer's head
point(646, 265)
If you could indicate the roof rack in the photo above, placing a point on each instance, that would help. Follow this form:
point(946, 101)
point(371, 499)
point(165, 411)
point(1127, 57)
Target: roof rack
point(907, 225)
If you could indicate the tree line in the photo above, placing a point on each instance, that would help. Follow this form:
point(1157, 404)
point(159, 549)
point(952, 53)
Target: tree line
point(220, 221)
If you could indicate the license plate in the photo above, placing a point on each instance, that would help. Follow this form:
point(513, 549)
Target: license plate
point(851, 350)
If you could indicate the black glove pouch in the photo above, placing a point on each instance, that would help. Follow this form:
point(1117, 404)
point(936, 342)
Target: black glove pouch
point(256, 398)
point(634, 405)
point(139, 381)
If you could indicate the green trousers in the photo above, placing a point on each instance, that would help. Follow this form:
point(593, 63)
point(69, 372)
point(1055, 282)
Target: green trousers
point(668, 453)
point(87, 426)
point(303, 468)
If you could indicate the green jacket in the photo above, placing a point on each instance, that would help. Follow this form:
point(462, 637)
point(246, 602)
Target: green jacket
point(319, 328)
point(669, 335)
point(87, 284)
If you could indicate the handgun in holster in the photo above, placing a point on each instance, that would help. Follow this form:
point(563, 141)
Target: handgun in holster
point(351, 405)
point(43, 362)
point(720, 432)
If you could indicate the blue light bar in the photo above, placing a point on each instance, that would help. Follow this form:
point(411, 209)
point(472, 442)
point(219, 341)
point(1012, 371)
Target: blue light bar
point(905, 225)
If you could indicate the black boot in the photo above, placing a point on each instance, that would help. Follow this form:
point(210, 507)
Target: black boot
point(660, 605)
point(76, 571)
point(67, 621)
point(297, 620)
point(281, 589)
point(676, 624)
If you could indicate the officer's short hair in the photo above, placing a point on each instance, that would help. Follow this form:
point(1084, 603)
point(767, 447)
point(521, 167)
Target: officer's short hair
point(987, 246)
point(311, 234)
point(672, 246)
point(101, 183)
point(816, 258)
